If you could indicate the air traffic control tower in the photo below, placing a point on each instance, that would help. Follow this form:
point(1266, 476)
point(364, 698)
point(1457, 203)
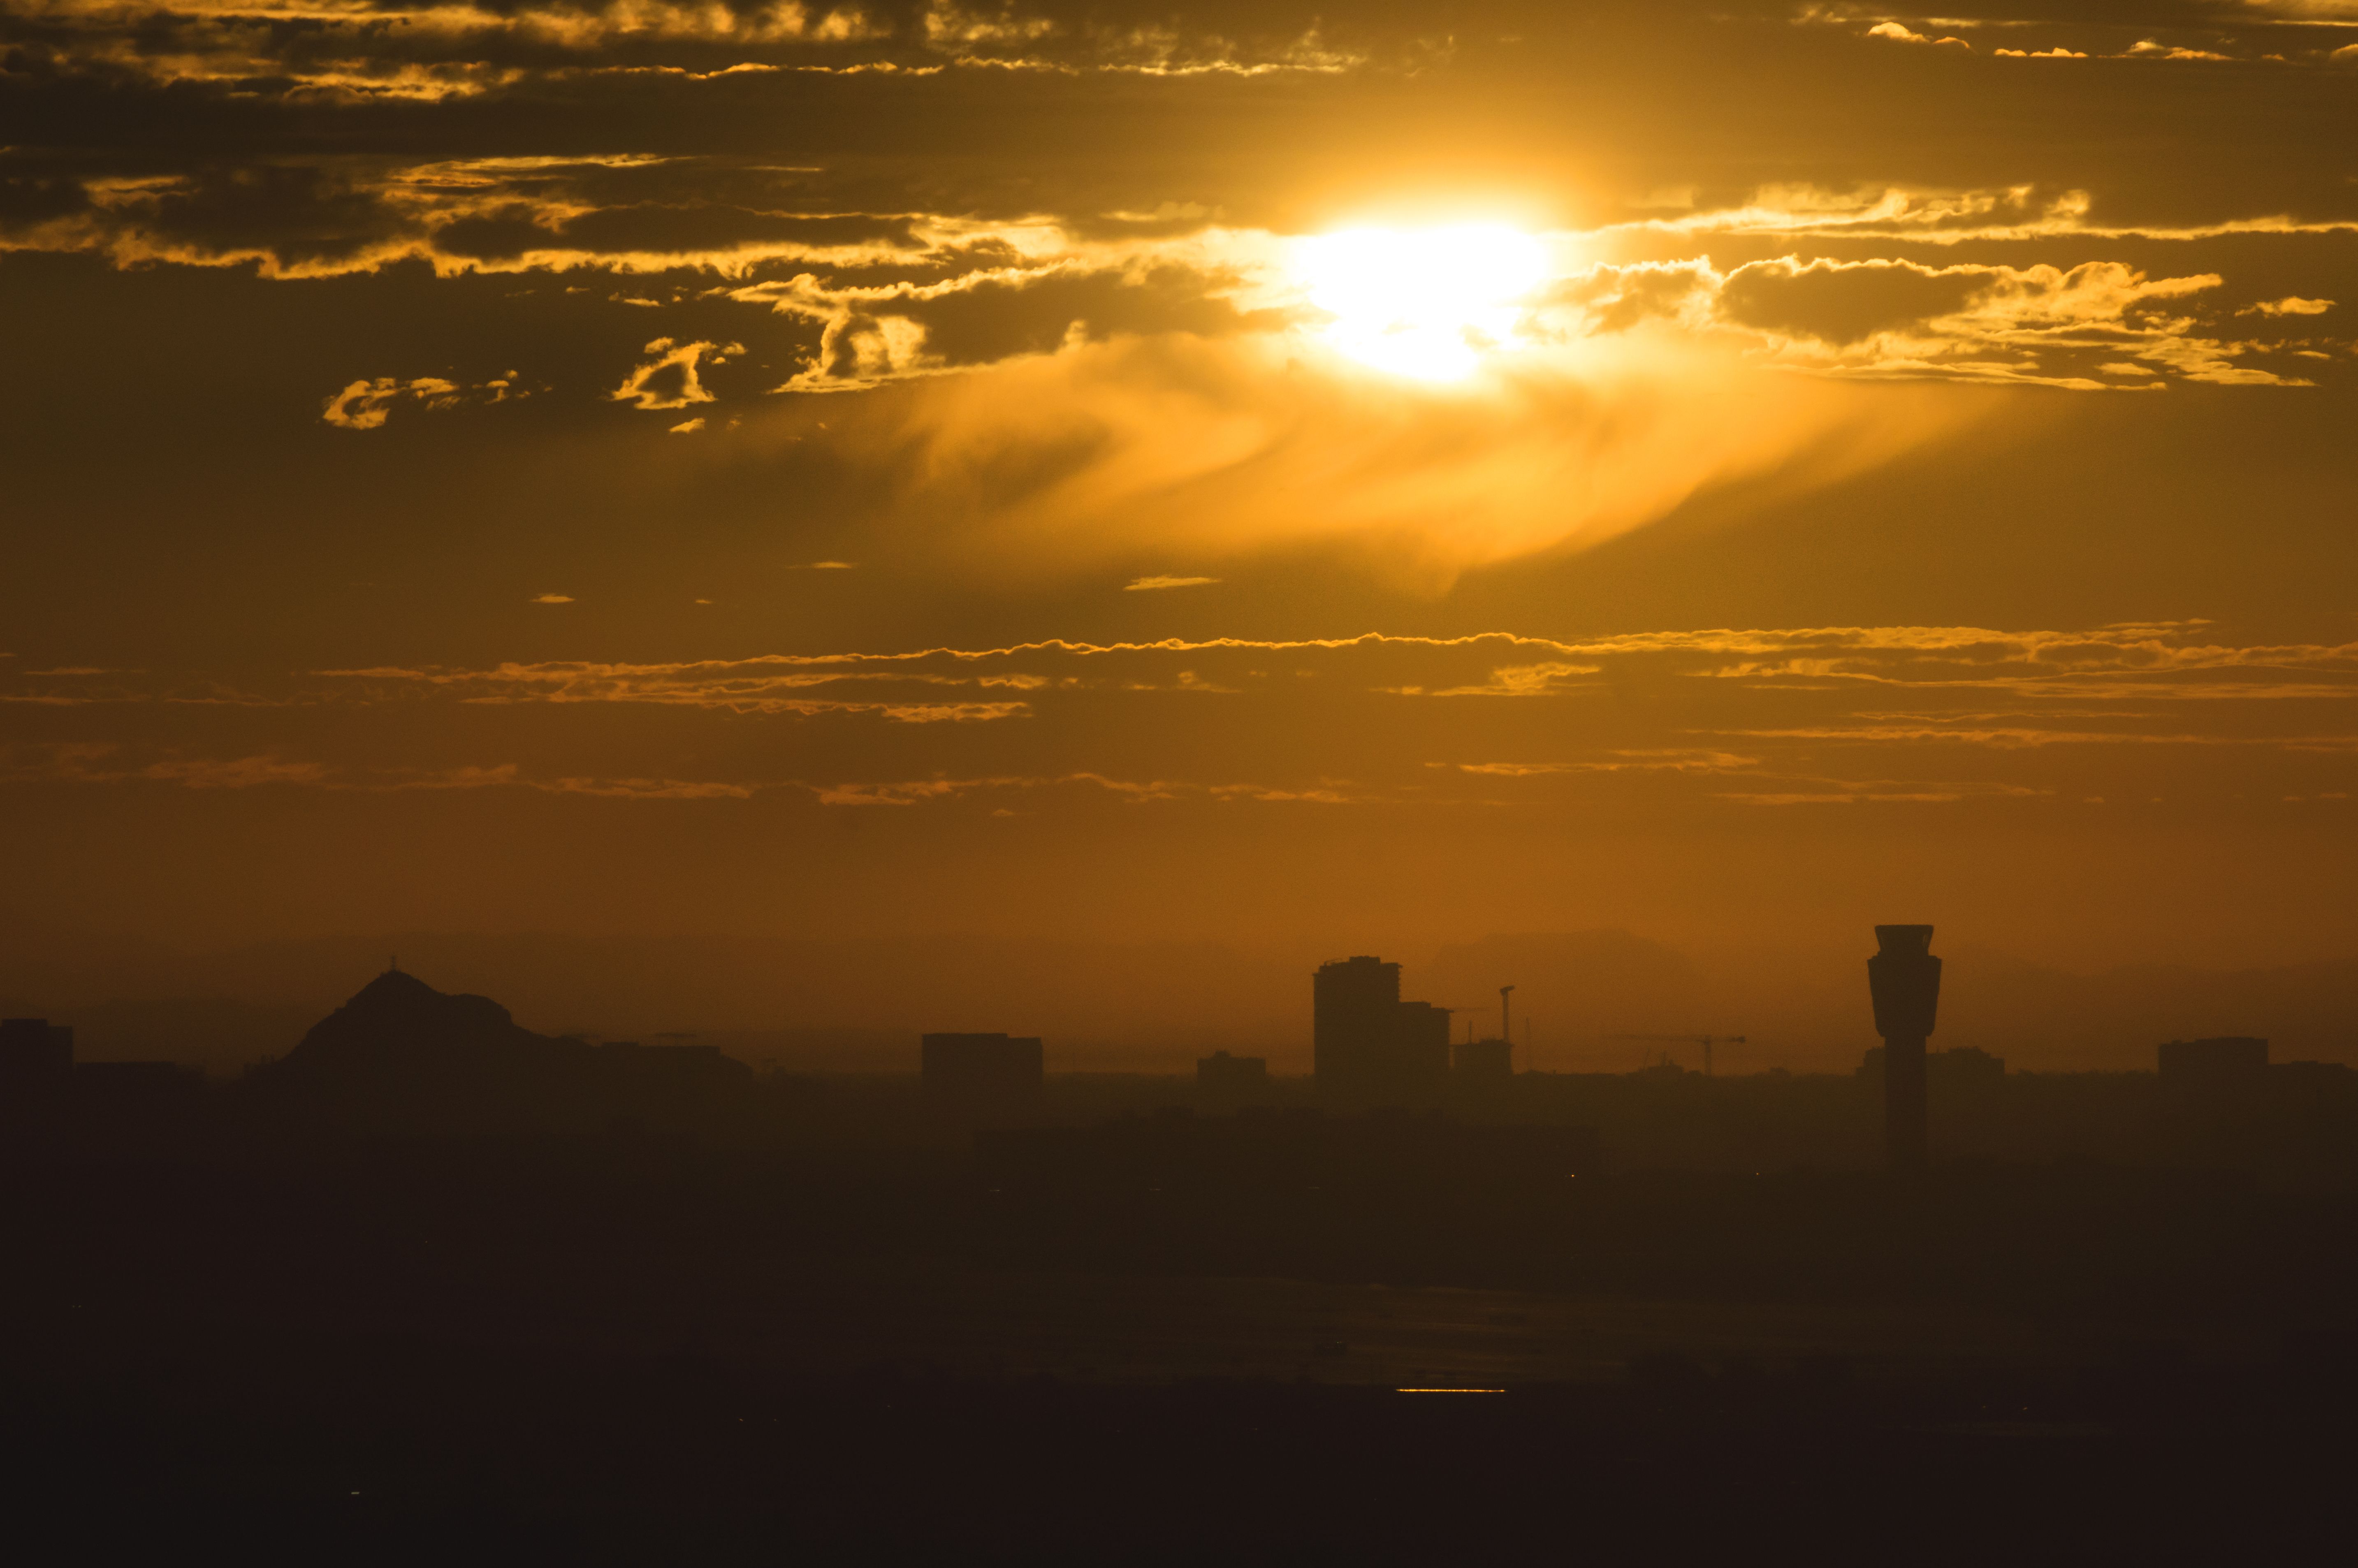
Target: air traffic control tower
point(1905, 980)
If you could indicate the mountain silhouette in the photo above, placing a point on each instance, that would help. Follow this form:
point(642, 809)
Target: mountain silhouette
point(399, 1024)
point(400, 1052)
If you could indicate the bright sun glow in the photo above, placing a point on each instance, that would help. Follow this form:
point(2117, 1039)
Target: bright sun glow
point(1428, 303)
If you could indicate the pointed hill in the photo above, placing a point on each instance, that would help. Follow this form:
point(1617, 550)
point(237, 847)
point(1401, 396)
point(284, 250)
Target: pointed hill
point(402, 1053)
point(398, 1024)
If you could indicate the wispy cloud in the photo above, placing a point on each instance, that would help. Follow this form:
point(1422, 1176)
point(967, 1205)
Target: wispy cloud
point(1149, 584)
point(673, 378)
point(367, 404)
point(1928, 716)
point(1900, 33)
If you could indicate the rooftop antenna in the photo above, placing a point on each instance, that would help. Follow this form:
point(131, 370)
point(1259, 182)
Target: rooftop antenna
point(1505, 1027)
point(392, 964)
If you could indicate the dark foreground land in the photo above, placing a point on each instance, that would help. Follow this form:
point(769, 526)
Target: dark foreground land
point(626, 1348)
point(434, 1286)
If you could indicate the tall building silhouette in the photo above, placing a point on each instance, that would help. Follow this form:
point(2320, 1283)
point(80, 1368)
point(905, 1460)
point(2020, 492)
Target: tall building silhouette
point(1368, 1046)
point(1905, 980)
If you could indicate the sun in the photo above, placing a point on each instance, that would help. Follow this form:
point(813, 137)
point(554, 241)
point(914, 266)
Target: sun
point(1427, 303)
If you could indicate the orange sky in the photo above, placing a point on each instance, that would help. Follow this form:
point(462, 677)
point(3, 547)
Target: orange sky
point(790, 472)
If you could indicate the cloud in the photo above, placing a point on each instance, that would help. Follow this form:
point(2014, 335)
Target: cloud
point(849, 298)
point(1659, 761)
point(345, 55)
point(110, 763)
point(1615, 299)
point(989, 313)
point(1898, 32)
point(671, 379)
point(1949, 216)
point(238, 772)
point(551, 598)
point(780, 686)
point(1921, 717)
point(2173, 663)
point(687, 426)
point(1846, 302)
point(1206, 448)
point(2147, 48)
point(1149, 584)
point(365, 405)
point(1889, 792)
point(951, 29)
point(2039, 325)
point(2291, 306)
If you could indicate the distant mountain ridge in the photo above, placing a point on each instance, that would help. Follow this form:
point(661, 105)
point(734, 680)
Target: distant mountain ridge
point(400, 1051)
point(399, 1024)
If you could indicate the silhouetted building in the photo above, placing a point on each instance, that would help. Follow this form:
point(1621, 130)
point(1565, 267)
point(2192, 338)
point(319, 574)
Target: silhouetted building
point(1966, 1065)
point(1483, 1061)
point(2229, 1060)
point(1905, 980)
point(1368, 1046)
point(1231, 1078)
point(981, 1066)
point(34, 1053)
point(2312, 1076)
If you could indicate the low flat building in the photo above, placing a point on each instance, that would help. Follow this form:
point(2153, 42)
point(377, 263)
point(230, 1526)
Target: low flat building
point(2227, 1059)
point(981, 1066)
point(1232, 1077)
point(1483, 1061)
point(35, 1053)
point(1957, 1067)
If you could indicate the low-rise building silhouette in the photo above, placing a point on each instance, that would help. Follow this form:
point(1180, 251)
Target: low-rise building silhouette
point(981, 1066)
point(35, 1053)
point(1960, 1066)
point(1231, 1078)
point(2219, 1062)
point(1483, 1061)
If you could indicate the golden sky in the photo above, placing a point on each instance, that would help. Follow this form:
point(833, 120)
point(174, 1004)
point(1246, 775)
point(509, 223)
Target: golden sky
point(1370, 475)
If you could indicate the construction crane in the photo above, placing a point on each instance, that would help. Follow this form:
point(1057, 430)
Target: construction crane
point(1705, 1041)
